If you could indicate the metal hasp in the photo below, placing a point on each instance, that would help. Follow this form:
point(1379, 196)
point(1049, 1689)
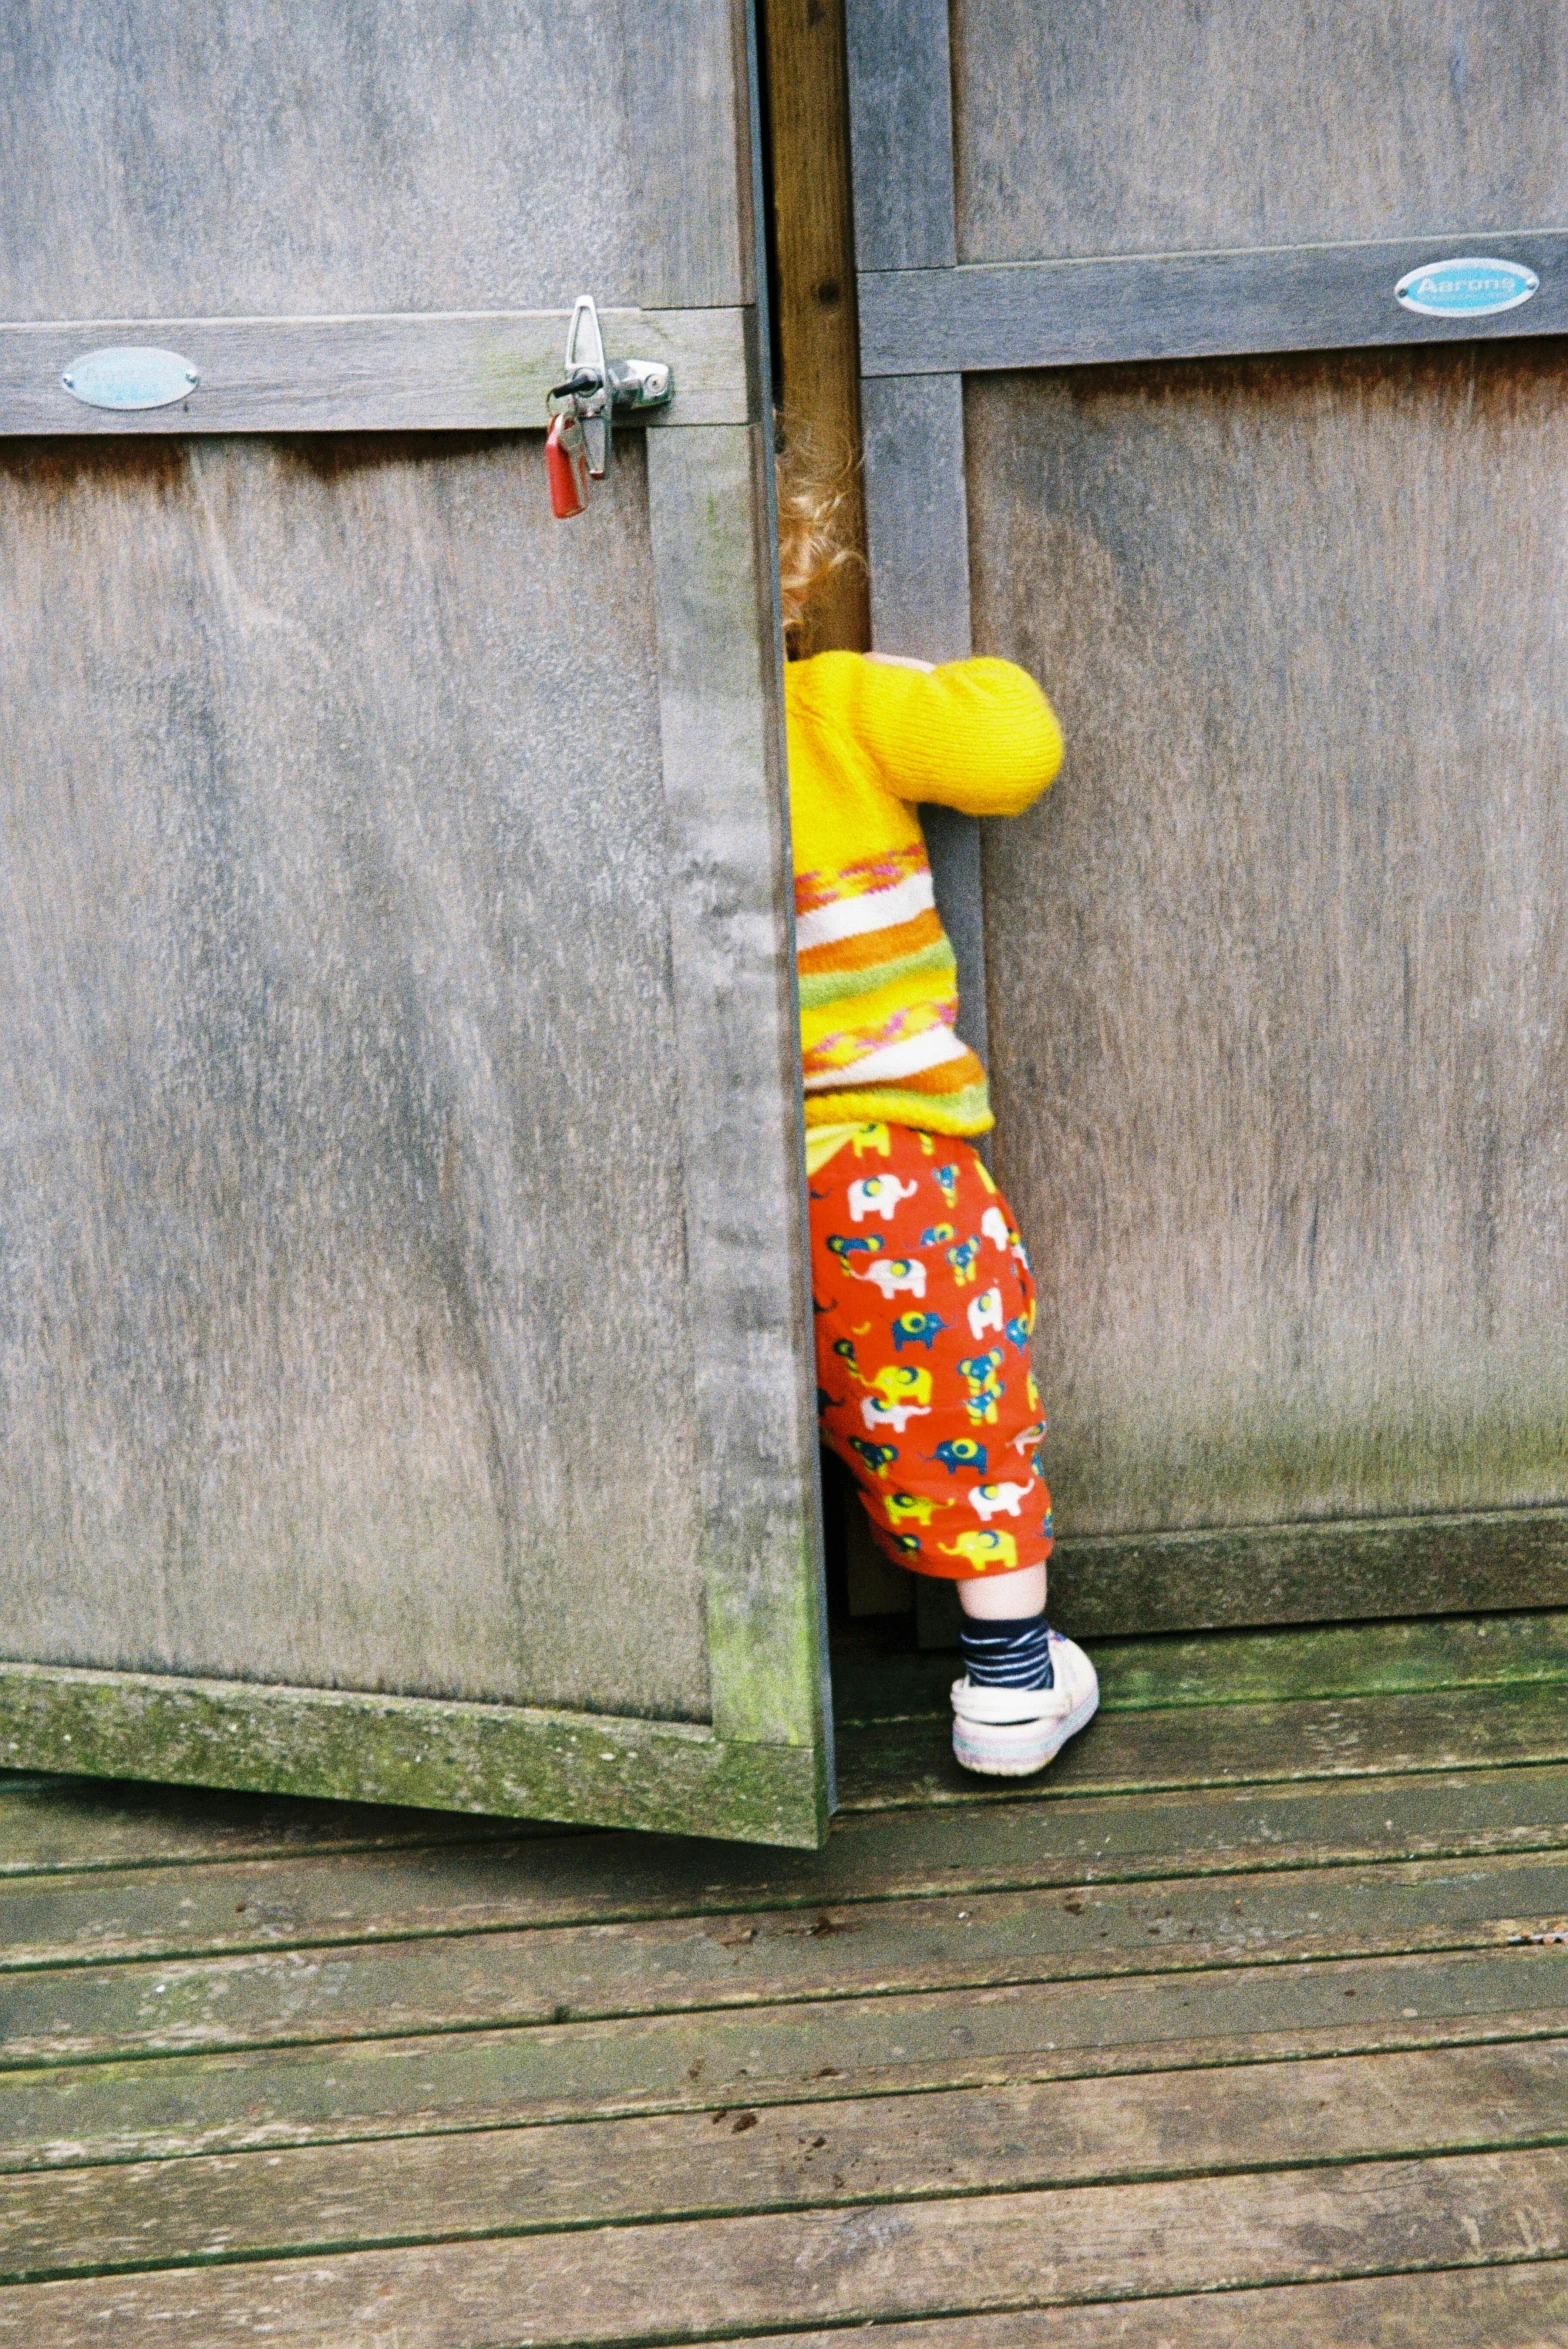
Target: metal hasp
point(598, 389)
point(130, 377)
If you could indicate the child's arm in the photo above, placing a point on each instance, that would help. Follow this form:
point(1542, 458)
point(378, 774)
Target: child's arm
point(975, 735)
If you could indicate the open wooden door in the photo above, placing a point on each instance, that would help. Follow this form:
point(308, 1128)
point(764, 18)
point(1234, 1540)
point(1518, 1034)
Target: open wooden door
point(1212, 367)
point(404, 1374)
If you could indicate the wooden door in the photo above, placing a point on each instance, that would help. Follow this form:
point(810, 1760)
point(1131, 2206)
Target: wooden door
point(1168, 394)
point(403, 1368)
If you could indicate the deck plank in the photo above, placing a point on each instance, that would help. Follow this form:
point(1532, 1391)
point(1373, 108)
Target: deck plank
point(597, 1878)
point(274, 2097)
point(1513, 2307)
point(1228, 1745)
point(708, 2277)
point(75, 1823)
point(79, 1823)
point(808, 2156)
point(959, 1942)
point(1225, 2011)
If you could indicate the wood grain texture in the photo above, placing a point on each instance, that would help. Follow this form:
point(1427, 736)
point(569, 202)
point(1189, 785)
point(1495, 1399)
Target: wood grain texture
point(1090, 128)
point(1351, 1569)
point(206, 1888)
point(252, 158)
point(1513, 2307)
point(48, 1824)
point(371, 374)
point(917, 543)
point(292, 1995)
point(1230, 1745)
point(157, 2106)
point(614, 1964)
point(901, 133)
point(814, 309)
point(1360, 1659)
point(917, 517)
point(340, 1117)
point(870, 2150)
point(444, 1753)
point(1277, 972)
point(684, 82)
point(340, 1895)
point(730, 909)
point(699, 2279)
point(1184, 305)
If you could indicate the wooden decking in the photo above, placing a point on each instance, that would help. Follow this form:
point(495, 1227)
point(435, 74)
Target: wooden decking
point(1246, 2026)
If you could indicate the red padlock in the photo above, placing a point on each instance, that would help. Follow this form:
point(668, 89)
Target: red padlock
point(566, 463)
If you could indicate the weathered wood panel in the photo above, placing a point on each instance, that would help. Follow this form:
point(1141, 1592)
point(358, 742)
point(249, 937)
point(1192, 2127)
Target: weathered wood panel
point(155, 2106)
point(616, 1965)
point(1183, 305)
point(79, 2012)
point(47, 1824)
point(917, 542)
point(465, 372)
point(1105, 126)
point(901, 129)
point(163, 1895)
point(740, 1135)
point(251, 157)
point(343, 1301)
point(387, 1893)
point(1320, 1570)
point(1278, 970)
point(1351, 1659)
point(702, 2277)
point(1467, 1729)
point(1519, 2306)
point(514, 1760)
point(865, 2150)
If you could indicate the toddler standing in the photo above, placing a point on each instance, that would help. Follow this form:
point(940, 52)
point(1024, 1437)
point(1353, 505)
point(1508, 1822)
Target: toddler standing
point(924, 1302)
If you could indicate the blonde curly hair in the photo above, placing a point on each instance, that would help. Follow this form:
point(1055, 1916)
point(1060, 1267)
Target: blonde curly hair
point(814, 498)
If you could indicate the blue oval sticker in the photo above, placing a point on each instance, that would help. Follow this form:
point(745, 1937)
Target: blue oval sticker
point(1469, 288)
point(130, 376)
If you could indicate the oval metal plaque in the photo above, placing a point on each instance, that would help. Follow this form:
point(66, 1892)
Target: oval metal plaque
point(130, 376)
point(1470, 288)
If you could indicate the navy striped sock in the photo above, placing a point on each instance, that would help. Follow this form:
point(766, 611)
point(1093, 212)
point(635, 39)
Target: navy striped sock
point(1007, 1652)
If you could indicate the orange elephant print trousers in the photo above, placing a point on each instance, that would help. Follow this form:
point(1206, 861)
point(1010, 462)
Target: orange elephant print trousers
point(924, 1304)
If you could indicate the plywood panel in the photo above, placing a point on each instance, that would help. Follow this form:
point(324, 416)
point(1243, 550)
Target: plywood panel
point(342, 1335)
point(1279, 971)
point(1108, 126)
point(247, 155)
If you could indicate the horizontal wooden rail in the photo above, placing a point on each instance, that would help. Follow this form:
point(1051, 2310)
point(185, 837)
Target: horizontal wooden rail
point(463, 371)
point(437, 1753)
point(977, 316)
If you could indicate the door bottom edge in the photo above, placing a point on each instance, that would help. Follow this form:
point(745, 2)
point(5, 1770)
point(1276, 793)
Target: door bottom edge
point(510, 1761)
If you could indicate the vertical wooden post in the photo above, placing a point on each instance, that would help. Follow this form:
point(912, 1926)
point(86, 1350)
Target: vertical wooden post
point(818, 331)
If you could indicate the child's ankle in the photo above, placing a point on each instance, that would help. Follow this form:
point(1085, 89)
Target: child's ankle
point(1007, 1652)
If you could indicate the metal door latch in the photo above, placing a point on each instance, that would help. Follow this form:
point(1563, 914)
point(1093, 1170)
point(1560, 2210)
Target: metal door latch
point(584, 406)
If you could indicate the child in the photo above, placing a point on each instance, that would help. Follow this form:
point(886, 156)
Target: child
point(923, 1294)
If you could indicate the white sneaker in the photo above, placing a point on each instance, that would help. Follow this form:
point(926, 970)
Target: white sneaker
point(1009, 1732)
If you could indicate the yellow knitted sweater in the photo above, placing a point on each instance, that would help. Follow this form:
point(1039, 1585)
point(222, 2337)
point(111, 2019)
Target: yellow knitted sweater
point(878, 985)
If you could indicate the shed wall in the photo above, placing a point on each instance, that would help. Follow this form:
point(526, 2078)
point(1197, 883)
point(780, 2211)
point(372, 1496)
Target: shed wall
point(1278, 972)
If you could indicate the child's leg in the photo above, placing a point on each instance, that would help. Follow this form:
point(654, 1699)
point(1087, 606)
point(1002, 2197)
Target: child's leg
point(993, 1597)
point(925, 1304)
